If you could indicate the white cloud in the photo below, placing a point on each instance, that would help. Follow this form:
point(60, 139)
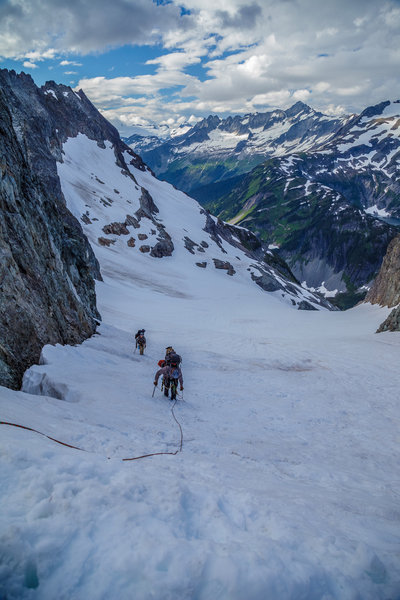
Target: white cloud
point(277, 98)
point(29, 65)
point(337, 110)
point(329, 31)
point(252, 54)
point(81, 26)
point(39, 55)
point(73, 63)
point(175, 61)
point(302, 95)
point(255, 66)
point(350, 91)
point(322, 86)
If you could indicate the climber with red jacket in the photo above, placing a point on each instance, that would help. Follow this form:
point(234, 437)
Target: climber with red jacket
point(171, 373)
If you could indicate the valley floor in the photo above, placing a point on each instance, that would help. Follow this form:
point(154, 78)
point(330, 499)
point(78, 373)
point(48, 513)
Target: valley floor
point(288, 483)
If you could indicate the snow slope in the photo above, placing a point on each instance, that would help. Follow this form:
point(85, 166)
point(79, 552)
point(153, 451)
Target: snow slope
point(287, 485)
point(100, 193)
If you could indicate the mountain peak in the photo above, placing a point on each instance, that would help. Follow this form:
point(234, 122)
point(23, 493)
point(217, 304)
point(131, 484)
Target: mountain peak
point(210, 122)
point(298, 108)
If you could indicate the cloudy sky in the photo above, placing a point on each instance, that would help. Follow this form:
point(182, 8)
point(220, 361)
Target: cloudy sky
point(144, 61)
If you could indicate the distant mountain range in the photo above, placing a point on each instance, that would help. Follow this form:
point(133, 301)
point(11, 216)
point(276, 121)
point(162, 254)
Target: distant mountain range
point(325, 191)
point(215, 149)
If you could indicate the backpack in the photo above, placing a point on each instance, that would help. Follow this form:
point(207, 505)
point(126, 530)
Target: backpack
point(173, 359)
point(174, 372)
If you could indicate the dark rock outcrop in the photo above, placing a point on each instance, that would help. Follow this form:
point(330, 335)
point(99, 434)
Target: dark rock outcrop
point(132, 222)
point(105, 241)
point(189, 244)
point(147, 206)
point(392, 322)
point(116, 229)
point(47, 266)
point(386, 288)
point(164, 245)
point(225, 265)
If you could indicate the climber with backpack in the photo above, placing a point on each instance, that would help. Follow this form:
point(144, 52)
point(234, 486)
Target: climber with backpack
point(171, 356)
point(171, 372)
point(140, 340)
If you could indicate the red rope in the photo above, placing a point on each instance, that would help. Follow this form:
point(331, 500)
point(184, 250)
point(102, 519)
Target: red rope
point(82, 450)
point(40, 433)
point(160, 453)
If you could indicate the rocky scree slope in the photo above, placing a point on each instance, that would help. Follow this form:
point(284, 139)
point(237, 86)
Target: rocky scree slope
point(320, 207)
point(217, 150)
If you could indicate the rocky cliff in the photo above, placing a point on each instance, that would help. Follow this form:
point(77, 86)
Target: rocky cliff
point(47, 267)
point(386, 288)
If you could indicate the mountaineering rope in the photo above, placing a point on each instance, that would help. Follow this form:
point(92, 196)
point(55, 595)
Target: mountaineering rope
point(40, 433)
point(83, 450)
point(159, 453)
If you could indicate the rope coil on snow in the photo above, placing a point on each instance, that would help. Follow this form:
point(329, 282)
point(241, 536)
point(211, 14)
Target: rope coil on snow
point(160, 453)
point(83, 450)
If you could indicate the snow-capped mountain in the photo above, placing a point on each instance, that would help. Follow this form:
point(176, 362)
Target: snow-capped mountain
point(217, 149)
point(317, 206)
point(151, 135)
point(366, 157)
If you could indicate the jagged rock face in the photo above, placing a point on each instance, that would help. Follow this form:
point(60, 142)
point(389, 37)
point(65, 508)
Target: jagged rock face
point(44, 118)
point(47, 267)
point(386, 288)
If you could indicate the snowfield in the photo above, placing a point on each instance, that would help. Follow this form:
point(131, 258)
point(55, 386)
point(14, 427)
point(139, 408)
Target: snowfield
point(287, 484)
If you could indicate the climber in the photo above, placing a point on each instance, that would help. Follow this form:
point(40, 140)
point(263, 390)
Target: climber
point(140, 340)
point(171, 356)
point(139, 331)
point(171, 375)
